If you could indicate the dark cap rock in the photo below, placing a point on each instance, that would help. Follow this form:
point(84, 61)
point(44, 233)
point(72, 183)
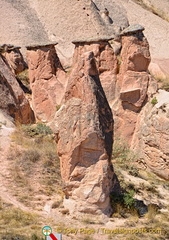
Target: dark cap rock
point(134, 28)
point(41, 45)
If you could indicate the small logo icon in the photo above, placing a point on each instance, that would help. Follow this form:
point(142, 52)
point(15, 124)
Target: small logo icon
point(54, 236)
point(46, 230)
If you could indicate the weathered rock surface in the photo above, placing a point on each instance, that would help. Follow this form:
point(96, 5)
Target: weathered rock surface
point(134, 28)
point(151, 138)
point(12, 98)
point(158, 7)
point(47, 79)
point(132, 82)
point(20, 24)
point(84, 131)
point(106, 62)
point(6, 120)
point(36, 21)
point(13, 57)
point(85, 19)
point(156, 31)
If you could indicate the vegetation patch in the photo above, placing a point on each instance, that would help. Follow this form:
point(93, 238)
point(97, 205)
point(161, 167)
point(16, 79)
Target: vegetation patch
point(35, 130)
point(34, 163)
point(19, 225)
point(154, 101)
point(23, 80)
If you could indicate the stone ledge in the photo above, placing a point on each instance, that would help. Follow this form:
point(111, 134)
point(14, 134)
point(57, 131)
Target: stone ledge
point(41, 45)
point(8, 47)
point(92, 40)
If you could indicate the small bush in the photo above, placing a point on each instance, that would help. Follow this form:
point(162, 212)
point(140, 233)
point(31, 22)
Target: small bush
point(23, 80)
point(123, 156)
point(123, 203)
point(31, 155)
point(154, 101)
point(58, 107)
point(153, 210)
point(39, 129)
point(128, 199)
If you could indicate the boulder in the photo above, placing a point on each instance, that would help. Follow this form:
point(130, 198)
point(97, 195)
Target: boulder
point(151, 137)
point(12, 99)
point(47, 80)
point(84, 134)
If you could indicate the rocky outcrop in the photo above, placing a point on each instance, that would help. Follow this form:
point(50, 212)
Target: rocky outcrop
point(13, 57)
point(106, 62)
point(47, 79)
point(132, 82)
point(151, 138)
point(84, 132)
point(65, 21)
point(156, 30)
point(12, 98)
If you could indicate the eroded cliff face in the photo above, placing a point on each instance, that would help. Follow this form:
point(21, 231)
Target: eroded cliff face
point(106, 62)
point(84, 132)
point(126, 83)
point(132, 83)
point(47, 80)
point(151, 137)
point(12, 98)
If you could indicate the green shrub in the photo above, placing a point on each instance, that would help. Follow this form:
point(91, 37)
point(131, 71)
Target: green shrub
point(123, 203)
point(123, 156)
point(128, 199)
point(154, 101)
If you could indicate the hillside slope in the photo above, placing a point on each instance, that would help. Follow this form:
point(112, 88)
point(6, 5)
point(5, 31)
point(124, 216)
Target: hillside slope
point(20, 24)
point(38, 21)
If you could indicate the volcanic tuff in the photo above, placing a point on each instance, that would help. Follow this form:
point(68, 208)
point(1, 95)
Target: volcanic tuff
point(84, 125)
point(38, 21)
point(47, 80)
point(12, 99)
point(84, 134)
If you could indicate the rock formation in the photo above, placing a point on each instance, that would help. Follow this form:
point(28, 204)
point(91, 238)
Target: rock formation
point(151, 137)
point(132, 82)
point(47, 79)
point(156, 30)
point(12, 98)
point(106, 62)
point(84, 132)
point(13, 57)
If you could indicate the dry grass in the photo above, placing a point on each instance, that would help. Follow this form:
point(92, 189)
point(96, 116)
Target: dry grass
point(23, 79)
point(146, 187)
point(36, 165)
point(18, 224)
